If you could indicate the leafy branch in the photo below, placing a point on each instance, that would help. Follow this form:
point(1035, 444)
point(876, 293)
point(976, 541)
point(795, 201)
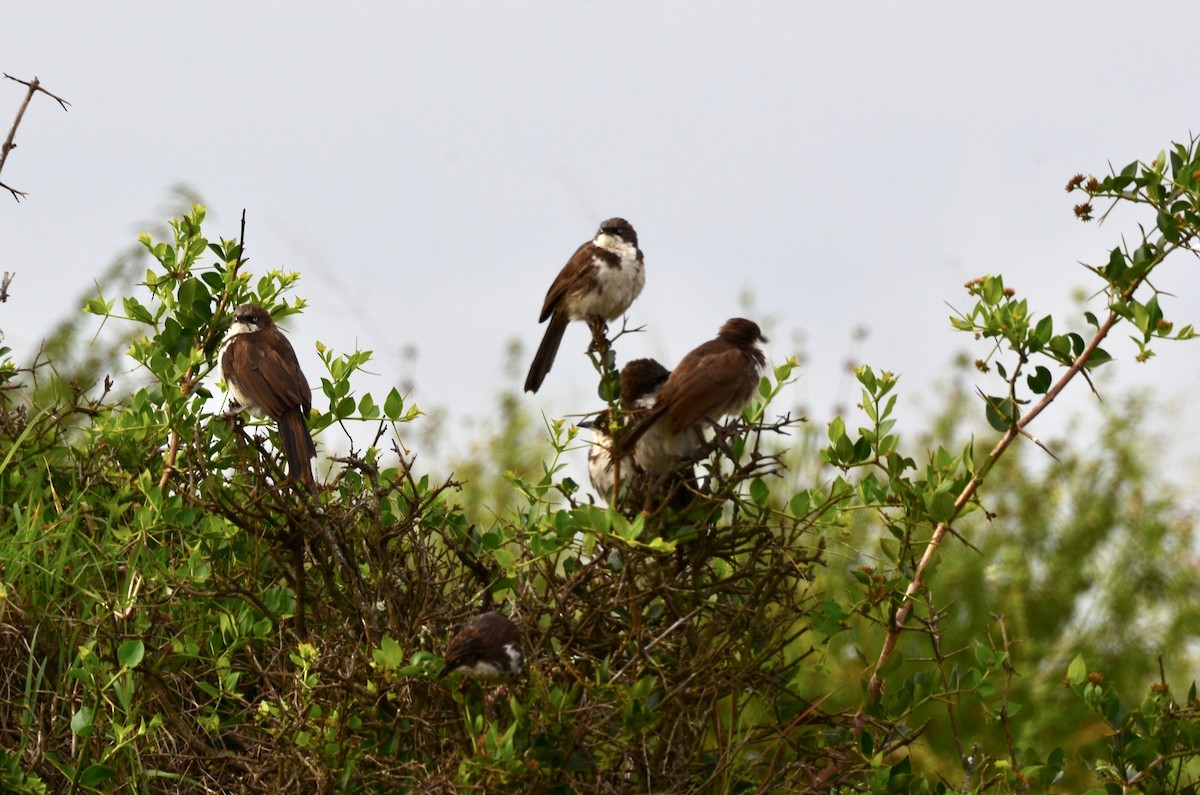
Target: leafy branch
point(1175, 197)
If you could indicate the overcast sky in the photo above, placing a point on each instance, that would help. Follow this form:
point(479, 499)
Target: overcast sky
point(429, 167)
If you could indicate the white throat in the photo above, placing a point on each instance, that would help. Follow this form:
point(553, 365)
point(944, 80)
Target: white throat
point(622, 248)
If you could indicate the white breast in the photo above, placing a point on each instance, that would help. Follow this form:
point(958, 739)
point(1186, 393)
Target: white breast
point(618, 286)
point(600, 468)
point(659, 450)
point(488, 670)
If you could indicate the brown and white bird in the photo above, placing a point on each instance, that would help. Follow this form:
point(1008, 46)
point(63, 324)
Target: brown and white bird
point(489, 647)
point(657, 454)
point(598, 283)
point(658, 451)
point(715, 379)
point(264, 377)
point(640, 381)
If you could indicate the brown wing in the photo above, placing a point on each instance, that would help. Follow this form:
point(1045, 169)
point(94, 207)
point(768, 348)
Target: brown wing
point(467, 646)
point(478, 641)
point(707, 381)
point(568, 279)
point(272, 373)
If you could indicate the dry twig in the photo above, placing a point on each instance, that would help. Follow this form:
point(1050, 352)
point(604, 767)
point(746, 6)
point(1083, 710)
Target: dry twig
point(34, 87)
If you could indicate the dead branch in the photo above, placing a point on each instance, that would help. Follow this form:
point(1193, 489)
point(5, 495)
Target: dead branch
point(34, 87)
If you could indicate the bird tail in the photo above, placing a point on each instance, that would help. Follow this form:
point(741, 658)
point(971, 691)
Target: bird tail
point(298, 448)
point(543, 360)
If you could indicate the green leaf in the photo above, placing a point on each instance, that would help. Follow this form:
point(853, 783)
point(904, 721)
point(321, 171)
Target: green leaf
point(506, 559)
point(993, 290)
point(940, 505)
point(759, 492)
point(1077, 670)
point(389, 654)
point(829, 617)
point(130, 653)
point(81, 722)
point(998, 413)
point(393, 406)
point(95, 775)
point(866, 377)
point(367, 407)
point(1039, 382)
point(97, 306)
point(1043, 331)
point(891, 550)
point(135, 311)
point(798, 505)
point(1099, 356)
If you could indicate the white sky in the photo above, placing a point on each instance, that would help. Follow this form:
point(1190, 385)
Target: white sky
point(429, 167)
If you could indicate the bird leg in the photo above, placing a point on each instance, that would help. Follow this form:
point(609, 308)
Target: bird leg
point(600, 343)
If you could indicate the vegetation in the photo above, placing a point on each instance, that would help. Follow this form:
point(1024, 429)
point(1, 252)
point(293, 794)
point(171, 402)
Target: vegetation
point(836, 612)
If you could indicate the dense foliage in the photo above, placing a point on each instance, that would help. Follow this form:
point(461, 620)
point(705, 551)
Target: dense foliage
point(835, 612)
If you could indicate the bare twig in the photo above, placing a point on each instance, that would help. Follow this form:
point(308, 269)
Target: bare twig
point(8, 277)
point(34, 87)
point(678, 623)
point(17, 194)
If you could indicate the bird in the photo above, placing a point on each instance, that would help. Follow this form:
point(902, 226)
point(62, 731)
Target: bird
point(263, 376)
point(598, 284)
point(657, 451)
point(489, 647)
point(600, 456)
point(641, 380)
point(717, 378)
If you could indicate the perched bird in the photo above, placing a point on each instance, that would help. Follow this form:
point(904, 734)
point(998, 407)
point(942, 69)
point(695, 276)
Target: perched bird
point(658, 451)
point(489, 647)
point(598, 283)
point(600, 456)
point(640, 381)
point(713, 380)
point(264, 377)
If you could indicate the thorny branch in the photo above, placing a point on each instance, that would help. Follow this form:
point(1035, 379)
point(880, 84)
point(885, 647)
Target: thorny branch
point(1014, 430)
point(34, 87)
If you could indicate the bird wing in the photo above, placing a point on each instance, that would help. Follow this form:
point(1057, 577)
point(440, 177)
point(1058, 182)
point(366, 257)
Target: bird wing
point(274, 372)
point(566, 280)
point(705, 386)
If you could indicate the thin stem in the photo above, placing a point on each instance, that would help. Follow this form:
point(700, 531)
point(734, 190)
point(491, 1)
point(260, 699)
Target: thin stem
point(34, 87)
point(1007, 438)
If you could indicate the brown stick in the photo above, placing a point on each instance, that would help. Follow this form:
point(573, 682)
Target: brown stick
point(943, 528)
point(34, 87)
